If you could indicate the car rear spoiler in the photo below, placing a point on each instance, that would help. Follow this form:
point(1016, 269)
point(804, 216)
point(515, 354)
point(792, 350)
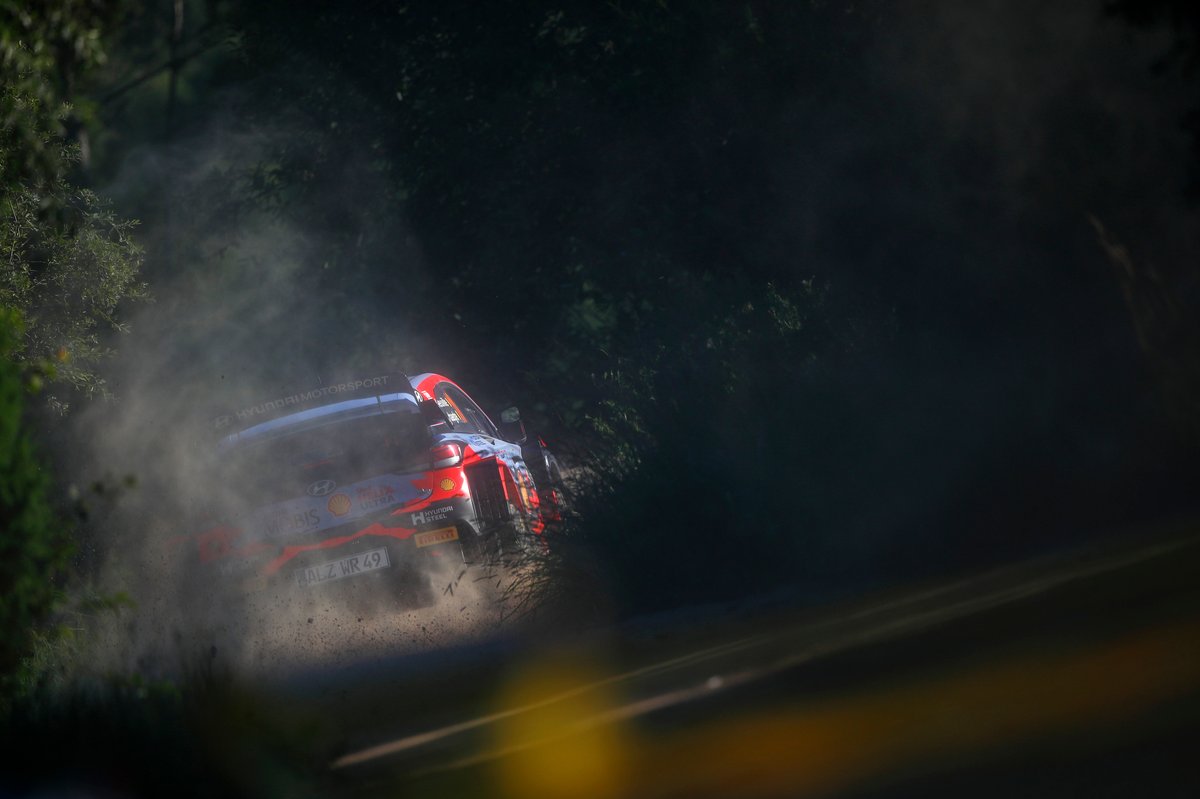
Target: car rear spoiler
point(286, 402)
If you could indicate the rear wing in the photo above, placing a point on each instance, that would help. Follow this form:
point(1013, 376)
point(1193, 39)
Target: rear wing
point(287, 402)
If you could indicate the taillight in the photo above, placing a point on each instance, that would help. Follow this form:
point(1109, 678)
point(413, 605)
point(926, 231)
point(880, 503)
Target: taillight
point(446, 455)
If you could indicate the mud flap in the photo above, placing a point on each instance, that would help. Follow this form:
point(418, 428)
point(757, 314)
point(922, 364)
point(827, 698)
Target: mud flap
point(487, 493)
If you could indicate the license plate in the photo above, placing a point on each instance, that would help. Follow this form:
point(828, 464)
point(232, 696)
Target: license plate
point(352, 566)
point(432, 537)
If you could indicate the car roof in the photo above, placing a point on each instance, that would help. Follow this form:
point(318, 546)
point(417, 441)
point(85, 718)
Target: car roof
point(423, 384)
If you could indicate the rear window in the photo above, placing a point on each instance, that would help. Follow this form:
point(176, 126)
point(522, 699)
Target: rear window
point(346, 451)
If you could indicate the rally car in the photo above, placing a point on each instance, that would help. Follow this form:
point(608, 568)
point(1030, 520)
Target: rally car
point(369, 480)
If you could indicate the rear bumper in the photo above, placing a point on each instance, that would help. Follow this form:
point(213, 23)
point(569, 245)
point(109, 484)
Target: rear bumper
point(471, 501)
point(414, 540)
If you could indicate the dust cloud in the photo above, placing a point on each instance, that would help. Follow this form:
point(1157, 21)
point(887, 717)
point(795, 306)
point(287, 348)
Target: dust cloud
point(235, 317)
point(177, 624)
point(264, 634)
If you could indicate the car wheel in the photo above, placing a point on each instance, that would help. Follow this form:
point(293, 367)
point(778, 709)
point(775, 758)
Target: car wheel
point(517, 539)
point(560, 498)
point(475, 549)
point(547, 479)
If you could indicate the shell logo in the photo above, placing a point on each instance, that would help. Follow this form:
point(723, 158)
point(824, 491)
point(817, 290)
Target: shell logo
point(339, 504)
point(446, 484)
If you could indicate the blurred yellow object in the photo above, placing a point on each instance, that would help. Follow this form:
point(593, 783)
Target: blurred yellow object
point(564, 743)
point(562, 732)
point(1012, 704)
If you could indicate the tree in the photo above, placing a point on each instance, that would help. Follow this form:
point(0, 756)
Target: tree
point(592, 187)
point(1183, 18)
point(34, 543)
point(68, 261)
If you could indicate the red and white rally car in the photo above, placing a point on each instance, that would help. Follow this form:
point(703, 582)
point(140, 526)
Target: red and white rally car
point(370, 479)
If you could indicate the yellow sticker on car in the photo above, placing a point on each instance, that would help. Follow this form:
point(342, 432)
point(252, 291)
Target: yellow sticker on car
point(439, 536)
point(338, 504)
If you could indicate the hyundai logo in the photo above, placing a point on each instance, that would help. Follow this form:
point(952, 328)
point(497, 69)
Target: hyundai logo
point(320, 488)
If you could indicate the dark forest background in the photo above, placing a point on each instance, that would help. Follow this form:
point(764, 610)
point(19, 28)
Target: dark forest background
point(817, 296)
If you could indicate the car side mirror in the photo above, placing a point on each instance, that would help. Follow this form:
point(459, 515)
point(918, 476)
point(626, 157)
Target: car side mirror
point(511, 427)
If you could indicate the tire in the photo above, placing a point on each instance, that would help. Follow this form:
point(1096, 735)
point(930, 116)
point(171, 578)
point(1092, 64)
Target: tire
point(547, 480)
point(475, 547)
point(562, 501)
point(517, 539)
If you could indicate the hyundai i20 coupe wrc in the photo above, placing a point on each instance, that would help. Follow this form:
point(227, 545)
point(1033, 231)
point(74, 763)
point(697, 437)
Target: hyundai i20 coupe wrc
point(371, 480)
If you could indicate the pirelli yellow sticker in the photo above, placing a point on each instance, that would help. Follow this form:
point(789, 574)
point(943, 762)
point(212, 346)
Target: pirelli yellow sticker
point(439, 536)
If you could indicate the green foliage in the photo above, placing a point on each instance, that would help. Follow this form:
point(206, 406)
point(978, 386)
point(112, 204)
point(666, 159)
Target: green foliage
point(34, 543)
point(68, 260)
point(592, 189)
point(67, 270)
point(1183, 17)
point(62, 650)
point(44, 48)
point(561, 164)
